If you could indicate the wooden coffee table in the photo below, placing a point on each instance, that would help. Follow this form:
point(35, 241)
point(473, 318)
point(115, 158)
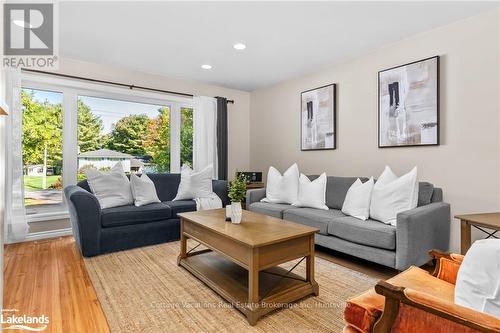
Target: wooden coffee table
point(241, 259)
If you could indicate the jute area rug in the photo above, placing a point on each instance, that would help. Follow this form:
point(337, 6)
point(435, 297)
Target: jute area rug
point(143, 290)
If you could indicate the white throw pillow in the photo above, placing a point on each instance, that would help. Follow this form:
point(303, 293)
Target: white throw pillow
point(112, 188)
point(392, 195)
point(143, 190)
point(282, 188)
point(358, 198)
point(312, 193)
point(478, 279)
point(195, 184)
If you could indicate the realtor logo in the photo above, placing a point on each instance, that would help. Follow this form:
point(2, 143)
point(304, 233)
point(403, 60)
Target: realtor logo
point(11, 319)
point(29, 35)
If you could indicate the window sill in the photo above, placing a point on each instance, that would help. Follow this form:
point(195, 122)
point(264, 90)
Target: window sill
point(43, 217)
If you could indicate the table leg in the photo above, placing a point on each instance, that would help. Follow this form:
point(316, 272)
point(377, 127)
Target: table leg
point(253, 287)
point(183, 242)
point(465, 232)
point(310, 266)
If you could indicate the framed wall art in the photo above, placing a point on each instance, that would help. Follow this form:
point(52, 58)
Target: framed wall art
point(408, 104)
point(318, 118)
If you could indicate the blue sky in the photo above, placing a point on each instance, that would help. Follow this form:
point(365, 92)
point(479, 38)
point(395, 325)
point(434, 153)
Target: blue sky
point(109, 110)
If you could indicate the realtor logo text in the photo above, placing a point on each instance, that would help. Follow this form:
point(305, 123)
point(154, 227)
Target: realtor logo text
point(29, 35)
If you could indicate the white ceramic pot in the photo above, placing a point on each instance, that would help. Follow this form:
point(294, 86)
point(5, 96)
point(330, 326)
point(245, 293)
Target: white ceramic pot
point(228, 212)
point(236, 212)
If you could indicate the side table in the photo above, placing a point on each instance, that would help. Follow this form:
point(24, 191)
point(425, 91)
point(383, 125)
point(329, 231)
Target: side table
point(478, 221)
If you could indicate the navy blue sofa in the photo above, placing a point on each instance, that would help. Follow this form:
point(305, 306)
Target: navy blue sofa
point(99, 231)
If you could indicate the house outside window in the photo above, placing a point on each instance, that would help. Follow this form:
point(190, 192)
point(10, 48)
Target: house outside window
point(70, 126)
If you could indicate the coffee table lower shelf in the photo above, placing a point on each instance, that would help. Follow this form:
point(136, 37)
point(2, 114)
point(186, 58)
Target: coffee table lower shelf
point(230, 281)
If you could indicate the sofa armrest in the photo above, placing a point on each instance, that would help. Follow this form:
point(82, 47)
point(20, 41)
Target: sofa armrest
point(220, 188)
point(85, 217)
point(446, 265)
point(255, 195)
point(444, 308)
point(436, 254)
point(408, 310)
point(420, 230)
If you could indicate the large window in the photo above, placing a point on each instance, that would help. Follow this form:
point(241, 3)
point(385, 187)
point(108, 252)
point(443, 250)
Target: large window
point(42, 149)
point(70, 126)
point(187, 136)
point(111, 131)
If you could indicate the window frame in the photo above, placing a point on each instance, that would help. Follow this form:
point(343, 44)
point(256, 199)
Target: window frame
point(71, 90)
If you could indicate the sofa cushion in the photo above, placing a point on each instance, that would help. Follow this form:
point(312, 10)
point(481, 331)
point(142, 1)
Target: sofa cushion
point(166, 184)
point(437, 195)
point(181, 206)
point(195, 184)
point(311, 193)
point(270, 209)
point(127, 215)
point(336, 190)
point(143, 190)
point(282, 188)
point(369, 232)
point(112, 189)
point(363, 311)
point(425, 191)
point(316, 218)
point(475, 286)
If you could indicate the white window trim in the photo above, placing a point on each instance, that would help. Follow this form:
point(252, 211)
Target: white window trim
point(175, 138)
point(71, 89)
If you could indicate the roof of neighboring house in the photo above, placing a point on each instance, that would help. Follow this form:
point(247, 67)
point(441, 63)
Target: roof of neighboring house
point(105, 153)
point(135, 163)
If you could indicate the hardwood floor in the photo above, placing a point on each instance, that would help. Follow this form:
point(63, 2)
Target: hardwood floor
point(49, 277)
point(369, 268)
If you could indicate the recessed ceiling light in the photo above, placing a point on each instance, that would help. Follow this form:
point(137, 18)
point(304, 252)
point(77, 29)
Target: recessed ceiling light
point(239, 46)
point(22, 24)
point(206, 66)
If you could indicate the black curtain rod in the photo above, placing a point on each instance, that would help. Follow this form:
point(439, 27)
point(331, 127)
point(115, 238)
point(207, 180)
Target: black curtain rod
point(130, 86)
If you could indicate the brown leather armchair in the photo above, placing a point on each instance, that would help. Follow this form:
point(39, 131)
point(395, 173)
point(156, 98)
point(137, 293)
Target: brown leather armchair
point(416, 301)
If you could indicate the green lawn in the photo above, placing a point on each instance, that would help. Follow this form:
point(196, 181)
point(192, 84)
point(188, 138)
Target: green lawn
point(35, 182)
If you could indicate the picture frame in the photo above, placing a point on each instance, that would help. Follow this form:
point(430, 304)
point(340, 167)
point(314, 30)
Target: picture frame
point(408, 105)
point(318, 121)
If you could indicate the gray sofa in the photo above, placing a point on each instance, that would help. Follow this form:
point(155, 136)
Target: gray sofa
point(418, 230)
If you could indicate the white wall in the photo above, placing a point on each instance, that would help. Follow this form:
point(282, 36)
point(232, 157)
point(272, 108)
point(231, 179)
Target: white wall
point(466, 165)
point(238, 113)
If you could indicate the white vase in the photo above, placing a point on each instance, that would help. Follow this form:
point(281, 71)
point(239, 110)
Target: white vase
point(228, 212)
point(236, 212)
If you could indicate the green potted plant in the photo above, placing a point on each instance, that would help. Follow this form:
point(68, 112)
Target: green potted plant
point(237, 189)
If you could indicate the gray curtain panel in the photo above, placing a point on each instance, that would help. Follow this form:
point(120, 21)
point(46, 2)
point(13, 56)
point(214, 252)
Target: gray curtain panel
point(222, 137)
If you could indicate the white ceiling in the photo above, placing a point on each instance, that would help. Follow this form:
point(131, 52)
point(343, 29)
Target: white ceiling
point(284, 39)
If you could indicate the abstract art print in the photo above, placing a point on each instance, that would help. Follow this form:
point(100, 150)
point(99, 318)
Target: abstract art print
point(318, 118)
point(408, 104)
